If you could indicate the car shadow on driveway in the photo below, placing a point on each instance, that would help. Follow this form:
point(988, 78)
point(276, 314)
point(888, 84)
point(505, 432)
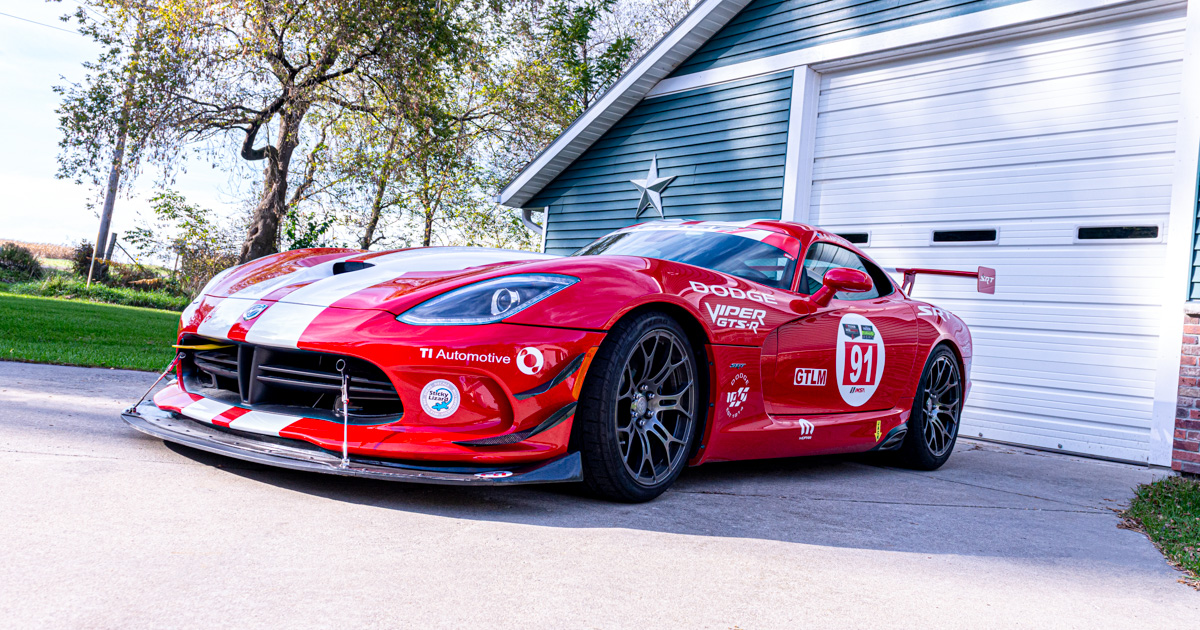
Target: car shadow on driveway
point(988, 500)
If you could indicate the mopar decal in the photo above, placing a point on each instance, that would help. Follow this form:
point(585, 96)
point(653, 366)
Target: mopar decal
point(440, 398)
point(860, 359)
point(806, 429)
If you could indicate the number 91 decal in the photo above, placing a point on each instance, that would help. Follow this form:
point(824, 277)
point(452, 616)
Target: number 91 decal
point(860, 358)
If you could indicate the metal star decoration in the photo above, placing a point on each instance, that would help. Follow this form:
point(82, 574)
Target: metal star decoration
point(651, 188)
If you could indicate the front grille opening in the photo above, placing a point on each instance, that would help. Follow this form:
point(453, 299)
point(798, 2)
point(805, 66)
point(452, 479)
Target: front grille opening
point(295, 382)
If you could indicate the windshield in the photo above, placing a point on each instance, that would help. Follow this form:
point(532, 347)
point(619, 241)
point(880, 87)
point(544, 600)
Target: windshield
point(739, 256)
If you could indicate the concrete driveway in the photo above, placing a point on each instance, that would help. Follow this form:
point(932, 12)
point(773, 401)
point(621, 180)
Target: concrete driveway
point(101, 526)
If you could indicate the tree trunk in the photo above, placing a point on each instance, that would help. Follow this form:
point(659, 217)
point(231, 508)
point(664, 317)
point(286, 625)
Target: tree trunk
point(262, 238)
point(368, 236)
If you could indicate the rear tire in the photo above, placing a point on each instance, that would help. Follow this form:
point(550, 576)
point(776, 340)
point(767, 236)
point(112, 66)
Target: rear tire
point(937, 410)
point(638, 409)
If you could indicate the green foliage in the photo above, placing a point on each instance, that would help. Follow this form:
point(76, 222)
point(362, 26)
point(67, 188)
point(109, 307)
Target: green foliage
point(18, 263)
point(189, 235)
point(77, 289)
point(46, 330)
point(1168, 511)
point(301, 230)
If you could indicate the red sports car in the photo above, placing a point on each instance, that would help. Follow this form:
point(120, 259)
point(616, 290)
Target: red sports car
point(658, 346)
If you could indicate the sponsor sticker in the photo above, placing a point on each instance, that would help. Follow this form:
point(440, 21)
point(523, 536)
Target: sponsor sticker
point(440, 398)
point(736, 399)
point(441, 354)
point(530, 361)
point(860, 359)
point(878, 429)
point(495, 474)
point(810, 377)
point(806, 429)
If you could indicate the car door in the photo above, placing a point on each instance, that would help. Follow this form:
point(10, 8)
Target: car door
point(855, 354)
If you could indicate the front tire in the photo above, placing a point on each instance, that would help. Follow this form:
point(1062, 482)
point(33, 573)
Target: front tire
point(638, 408)
point(937, 410)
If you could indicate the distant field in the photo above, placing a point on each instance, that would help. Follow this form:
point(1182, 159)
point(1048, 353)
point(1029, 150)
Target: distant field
point(44, 250)
point(50, 330)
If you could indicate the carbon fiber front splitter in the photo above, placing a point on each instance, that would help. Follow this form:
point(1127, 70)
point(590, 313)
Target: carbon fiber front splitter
point(165, 425)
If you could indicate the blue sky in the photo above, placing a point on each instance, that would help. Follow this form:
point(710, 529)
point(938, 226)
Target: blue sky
point(34, 206)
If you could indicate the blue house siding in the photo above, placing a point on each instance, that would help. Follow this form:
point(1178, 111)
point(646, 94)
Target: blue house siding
point(725, 144)
point(771, 27)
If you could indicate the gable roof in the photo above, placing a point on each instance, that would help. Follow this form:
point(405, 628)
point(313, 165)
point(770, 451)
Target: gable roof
point(701, 23)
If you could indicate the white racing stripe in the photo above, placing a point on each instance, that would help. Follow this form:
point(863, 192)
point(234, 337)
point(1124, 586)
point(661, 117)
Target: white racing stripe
point(282, 324)
point(223, 317)
point(205, 410)
point(262, 422)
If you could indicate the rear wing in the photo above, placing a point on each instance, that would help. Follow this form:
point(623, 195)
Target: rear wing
point(985, 278)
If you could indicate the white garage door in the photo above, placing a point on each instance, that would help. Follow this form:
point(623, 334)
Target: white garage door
point(1035, 139)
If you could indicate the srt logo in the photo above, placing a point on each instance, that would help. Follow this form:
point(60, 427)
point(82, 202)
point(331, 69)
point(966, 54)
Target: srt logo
point(931, 311)
point(734, 292)
point(739, 317)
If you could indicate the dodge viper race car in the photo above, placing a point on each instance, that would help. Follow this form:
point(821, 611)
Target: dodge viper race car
point(658, 346)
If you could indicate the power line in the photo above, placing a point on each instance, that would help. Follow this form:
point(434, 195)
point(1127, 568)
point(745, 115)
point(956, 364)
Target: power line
point(15, 17)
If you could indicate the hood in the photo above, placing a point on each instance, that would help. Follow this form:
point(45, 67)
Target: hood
point(346, 279)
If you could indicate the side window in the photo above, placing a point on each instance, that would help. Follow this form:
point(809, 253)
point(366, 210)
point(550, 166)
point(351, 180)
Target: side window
point(825, 256)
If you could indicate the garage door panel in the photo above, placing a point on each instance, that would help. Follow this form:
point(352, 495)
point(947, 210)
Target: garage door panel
point(1034, 139)
point(1144, 54)
point(936, 129)
point(1128, 34)
point(1092, 147)
point(1019, 399)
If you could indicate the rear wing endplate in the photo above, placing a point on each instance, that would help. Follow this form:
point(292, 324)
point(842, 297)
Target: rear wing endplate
point(985, 278)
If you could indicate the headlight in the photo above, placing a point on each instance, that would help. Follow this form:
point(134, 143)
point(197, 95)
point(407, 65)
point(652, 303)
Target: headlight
point(486, 302)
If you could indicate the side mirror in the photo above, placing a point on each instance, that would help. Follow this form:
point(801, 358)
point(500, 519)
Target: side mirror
point(841, 279)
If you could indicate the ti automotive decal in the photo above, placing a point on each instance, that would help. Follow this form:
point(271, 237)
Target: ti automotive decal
point(860, 359)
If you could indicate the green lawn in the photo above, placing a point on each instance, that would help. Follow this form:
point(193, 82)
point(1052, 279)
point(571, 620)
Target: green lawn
point(50, 330)
point(1168, 511)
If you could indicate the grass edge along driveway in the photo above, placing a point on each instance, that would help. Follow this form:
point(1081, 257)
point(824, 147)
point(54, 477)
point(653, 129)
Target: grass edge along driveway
point(66, 332)
point(1168, 512)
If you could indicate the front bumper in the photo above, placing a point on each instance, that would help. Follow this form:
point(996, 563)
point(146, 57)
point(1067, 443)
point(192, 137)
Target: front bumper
point(165, 425)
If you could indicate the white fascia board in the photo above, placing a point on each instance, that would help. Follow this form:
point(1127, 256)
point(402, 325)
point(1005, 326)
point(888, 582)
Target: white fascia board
point(689, 34)
point(801, 145)
point(930, 34)
point(1180, 234)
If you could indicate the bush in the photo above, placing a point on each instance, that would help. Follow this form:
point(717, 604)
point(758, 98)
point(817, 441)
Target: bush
point(76, 288)
point(44, 250)
point(81, 261)
point(18, 263)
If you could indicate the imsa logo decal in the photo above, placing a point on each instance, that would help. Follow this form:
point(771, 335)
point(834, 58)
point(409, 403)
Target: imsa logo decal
point(860, 359)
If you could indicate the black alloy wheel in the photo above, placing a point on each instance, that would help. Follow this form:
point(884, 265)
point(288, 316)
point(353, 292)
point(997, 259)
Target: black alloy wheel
point(937, 410)
point(638, 409)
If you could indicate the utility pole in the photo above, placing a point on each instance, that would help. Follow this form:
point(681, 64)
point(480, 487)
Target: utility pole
point(118, 160)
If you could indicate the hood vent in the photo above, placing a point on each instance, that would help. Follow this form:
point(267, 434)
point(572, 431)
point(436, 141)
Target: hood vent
point(346, 266)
